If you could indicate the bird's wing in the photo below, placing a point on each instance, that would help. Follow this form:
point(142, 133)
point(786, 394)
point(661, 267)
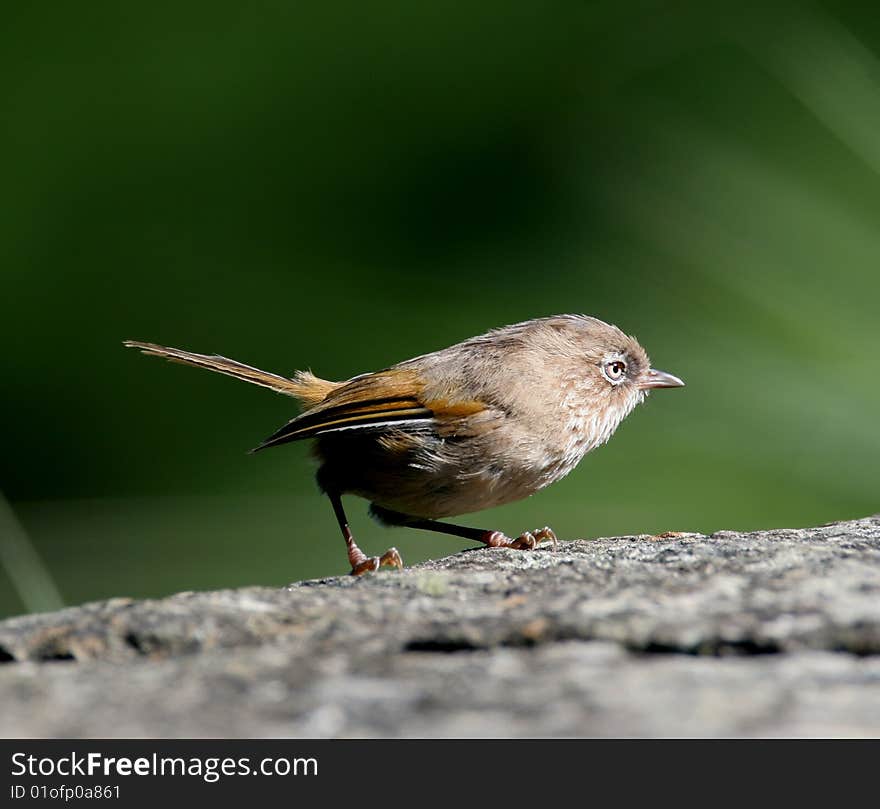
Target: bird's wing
point(394, 398)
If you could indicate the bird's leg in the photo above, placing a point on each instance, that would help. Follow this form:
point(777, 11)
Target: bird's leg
point(494, 539)
point(359, 561)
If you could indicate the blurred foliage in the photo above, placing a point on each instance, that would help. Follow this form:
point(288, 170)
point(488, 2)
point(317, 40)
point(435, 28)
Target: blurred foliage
point(341, 186)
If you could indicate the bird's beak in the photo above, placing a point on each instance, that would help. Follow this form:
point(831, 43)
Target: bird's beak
point(659, 379)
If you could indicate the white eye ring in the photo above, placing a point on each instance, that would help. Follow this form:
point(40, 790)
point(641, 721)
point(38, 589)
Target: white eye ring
point(614, 371)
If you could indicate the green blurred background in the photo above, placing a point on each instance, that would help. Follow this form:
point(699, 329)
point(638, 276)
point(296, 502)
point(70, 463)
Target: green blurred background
point(341, 186)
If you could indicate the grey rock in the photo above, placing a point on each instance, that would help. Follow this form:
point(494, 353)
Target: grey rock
point(772, 633)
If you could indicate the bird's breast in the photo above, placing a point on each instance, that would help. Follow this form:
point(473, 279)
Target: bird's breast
point(584, 423)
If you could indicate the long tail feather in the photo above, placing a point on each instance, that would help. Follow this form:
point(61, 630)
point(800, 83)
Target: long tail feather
point(304, 386)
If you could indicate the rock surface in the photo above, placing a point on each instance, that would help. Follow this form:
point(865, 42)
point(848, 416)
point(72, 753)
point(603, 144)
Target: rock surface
point(768, 633)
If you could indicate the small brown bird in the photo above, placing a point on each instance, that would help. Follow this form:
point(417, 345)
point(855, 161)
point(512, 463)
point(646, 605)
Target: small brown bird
point(481, 423)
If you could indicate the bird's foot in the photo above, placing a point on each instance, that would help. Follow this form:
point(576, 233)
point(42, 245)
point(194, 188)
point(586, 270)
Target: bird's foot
point(546, 534)
point(369, 564)
point(526, 541)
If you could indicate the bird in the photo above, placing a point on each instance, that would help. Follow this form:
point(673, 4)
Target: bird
point(484, 422)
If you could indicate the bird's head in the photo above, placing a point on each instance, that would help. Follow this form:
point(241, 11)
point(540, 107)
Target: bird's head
point(606, 372)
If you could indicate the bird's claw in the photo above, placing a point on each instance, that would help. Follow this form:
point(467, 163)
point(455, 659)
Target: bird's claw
point(546, 534)
point(391, 558)
point(526, 541)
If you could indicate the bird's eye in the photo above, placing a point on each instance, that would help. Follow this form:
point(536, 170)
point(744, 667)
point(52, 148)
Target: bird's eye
point(614, 370)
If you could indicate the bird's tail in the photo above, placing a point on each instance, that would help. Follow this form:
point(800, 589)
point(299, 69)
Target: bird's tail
point(303, 385)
